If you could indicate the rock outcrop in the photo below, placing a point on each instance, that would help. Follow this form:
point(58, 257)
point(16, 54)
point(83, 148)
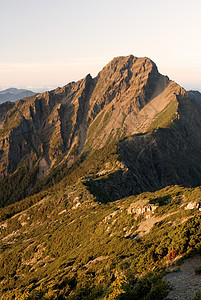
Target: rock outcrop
point(142, 207)
point(194, 205)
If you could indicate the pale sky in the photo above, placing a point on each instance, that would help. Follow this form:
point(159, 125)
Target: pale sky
point(47, 43)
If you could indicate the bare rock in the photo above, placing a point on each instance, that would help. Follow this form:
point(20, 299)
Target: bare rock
point(193, 205)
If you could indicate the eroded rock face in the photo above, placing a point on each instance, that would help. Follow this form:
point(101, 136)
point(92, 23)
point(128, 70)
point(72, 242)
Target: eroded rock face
point(46, 126)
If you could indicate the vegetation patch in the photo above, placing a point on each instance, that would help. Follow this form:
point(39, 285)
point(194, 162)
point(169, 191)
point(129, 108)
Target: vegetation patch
point(55, 246)
point(165, 117)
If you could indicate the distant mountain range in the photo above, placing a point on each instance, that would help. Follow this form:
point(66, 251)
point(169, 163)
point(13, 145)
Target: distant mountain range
point(13, 94)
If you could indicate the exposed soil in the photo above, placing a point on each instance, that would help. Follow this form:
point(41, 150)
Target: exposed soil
point(185, 284)
point(146, 225)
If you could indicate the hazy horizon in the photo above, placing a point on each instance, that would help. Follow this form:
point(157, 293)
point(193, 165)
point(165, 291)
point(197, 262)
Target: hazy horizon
point(46, 44)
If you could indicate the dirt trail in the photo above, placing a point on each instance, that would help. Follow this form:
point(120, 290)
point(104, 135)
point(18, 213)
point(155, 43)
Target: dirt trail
point(185, 284)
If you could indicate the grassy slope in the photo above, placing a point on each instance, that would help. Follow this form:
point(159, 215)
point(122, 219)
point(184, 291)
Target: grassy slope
point(165, 117)
point(70, 245)
point(18, 185)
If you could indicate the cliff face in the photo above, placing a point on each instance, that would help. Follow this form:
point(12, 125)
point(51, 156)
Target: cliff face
point(129, 103)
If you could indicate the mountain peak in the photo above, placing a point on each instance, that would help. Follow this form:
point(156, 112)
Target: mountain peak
point(126, 62)
point(127, 97)
point(63, 118)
